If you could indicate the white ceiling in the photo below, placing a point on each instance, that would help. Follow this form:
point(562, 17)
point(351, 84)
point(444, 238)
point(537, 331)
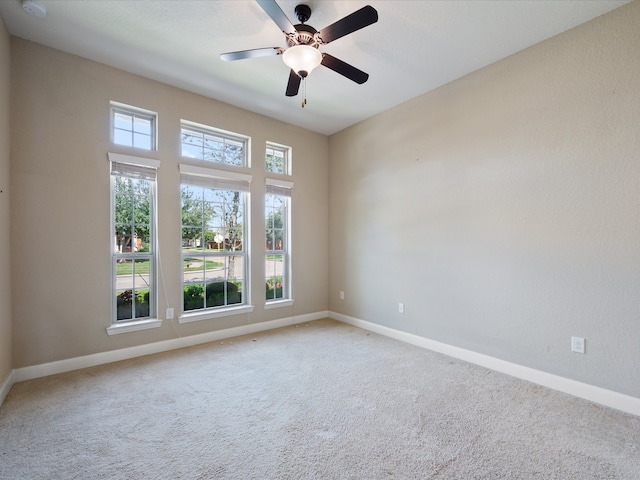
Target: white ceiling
point(415, 46)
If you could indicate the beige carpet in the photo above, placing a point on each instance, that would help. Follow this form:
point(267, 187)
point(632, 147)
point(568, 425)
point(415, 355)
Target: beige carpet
point(317, 401)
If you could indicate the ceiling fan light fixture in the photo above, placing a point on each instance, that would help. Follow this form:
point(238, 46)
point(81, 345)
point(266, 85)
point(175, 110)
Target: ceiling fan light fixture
point(302, 59)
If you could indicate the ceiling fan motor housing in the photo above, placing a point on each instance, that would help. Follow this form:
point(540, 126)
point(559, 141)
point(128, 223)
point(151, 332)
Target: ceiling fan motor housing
point(303, 13)
point(305, 35)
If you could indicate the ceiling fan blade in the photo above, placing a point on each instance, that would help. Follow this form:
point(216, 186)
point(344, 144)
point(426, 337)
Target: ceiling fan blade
point(256, 52)
point(349, 24)
point(277, 15)
point(293, 85)
point(344, 69)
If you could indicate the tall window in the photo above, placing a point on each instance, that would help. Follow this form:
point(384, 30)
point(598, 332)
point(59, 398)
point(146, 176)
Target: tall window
point(133, 127)
point(277, 159)
point(277, 257)
point(212, 145)
point(133, 186)
point(214, 238)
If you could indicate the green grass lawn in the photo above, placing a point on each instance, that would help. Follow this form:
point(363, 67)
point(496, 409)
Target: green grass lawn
point(142, 266)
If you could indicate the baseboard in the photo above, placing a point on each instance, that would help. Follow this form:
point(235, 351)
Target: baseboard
point(609, 398)
point(67, 365)
point(6, 386)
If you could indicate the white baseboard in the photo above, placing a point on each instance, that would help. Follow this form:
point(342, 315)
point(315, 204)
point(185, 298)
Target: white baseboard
point(609, 398)
point(61, 366)
point(6, 386)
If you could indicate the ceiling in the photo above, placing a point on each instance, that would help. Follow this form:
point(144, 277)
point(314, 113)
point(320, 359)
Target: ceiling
point(416, 46)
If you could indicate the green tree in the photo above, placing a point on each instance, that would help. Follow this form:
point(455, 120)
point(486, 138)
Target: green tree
point(132, 212)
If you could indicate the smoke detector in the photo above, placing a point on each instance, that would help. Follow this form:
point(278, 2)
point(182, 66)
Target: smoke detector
point(35, 8)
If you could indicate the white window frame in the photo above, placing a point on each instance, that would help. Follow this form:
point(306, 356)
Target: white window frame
point(217, 135)
point(135, 166)
point(286, 152)
point(282, 188)
point(221, 180)
point(135, 112)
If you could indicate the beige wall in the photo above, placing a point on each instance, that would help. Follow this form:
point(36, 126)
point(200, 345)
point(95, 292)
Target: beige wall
point(503, 209)
point(60, 207)
point(5, 264)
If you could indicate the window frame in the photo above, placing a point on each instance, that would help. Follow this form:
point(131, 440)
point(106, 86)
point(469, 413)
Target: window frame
point(210, 178)
point(116, 107)
point(150, 321)
point(283, 189)
point(225, 135)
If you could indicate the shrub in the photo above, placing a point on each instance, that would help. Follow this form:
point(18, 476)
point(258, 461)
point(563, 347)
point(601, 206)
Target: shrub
point(124, 301)
point(194, 295)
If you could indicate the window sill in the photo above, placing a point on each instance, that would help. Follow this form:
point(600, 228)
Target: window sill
point(278, 303)
point(134, 326)
point(225, 312)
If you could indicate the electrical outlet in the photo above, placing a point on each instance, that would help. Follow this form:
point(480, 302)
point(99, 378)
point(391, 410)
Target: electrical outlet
point(169, 313)
point(577, 344)
point(341, 295)
point(401, 307)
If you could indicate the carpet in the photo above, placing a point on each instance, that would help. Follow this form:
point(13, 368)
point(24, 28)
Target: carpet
point(322, 400)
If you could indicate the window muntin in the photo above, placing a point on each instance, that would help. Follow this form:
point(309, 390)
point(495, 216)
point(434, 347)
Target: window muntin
point(211, 145)
point(132, 127)
point(277, 159)
point(277, 251)
point(133, 233)
point(214, 250)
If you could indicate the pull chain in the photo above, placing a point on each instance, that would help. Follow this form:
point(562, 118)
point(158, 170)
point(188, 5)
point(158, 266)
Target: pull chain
point(304, 92)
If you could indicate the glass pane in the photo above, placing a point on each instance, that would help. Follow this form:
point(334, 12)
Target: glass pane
point(122, 121)
point(142, 125)
point(192, 240)
point(233, 153)
point(193, 296)
point(142, 304)
point(141, 281)
point(210, 237)
point(278, 239)
point(124, 289)
point(214, 152)
point(235, 240)
point(212, 141)
point(277, 202)
point(191, 151)
point(193, 269)
point(274, 275)
point(122, 137)
point(123, 239)
point(190, 137)
point(142, 141)
point(192, 212)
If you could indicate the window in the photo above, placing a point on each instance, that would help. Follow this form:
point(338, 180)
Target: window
point(214, 239)
point(277, 159)
point(133, 127)
point(205, 143)
point(133, 200)
point(277, 258)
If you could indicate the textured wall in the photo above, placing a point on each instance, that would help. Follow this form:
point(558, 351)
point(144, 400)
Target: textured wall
point(5, 264)
point(503, 208)
point(60, 211)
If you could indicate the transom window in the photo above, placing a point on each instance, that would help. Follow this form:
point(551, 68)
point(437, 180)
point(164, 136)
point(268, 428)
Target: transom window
point(211, 145)
point(277, 159)
point(133, 127)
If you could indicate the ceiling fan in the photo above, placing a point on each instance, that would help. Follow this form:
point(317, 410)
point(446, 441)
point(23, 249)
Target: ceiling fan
point(302, 54)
